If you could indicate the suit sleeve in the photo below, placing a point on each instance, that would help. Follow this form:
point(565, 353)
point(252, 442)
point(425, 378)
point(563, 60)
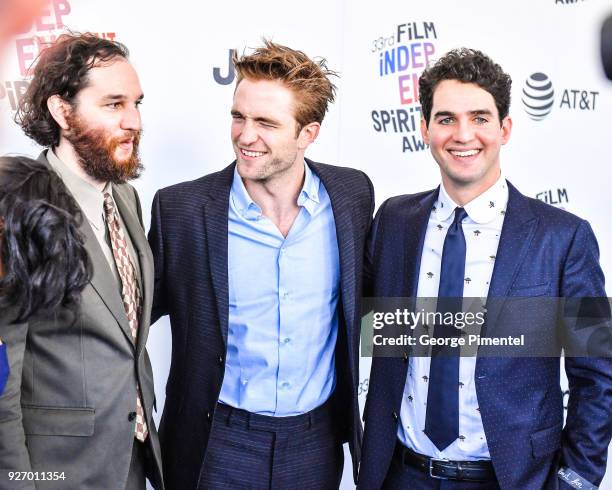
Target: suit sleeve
point(14, 454)
point(370, 254)
point(371, 199)
point(160, 306)
point(588, 428)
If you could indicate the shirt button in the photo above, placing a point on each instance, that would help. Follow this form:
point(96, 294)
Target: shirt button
point(244, 381)
point(286, 340)
point(132, 416)
point(285, 385)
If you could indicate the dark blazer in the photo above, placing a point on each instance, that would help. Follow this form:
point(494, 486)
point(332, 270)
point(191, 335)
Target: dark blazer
point(543, 251)
point(188, 237)
point(72, 386)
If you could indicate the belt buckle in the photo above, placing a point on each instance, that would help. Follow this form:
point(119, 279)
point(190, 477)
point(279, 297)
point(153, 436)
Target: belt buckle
point(431, 463)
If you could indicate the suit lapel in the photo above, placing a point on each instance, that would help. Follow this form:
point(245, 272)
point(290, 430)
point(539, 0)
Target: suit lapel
point(215, 211)
point(516, 236)
point(127, 210)
point(414, 228)
point(342, 207)
point(103, 281)
point(409, 229)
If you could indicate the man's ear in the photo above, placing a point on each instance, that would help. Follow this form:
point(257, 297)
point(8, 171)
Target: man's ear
point(424, 130)
point(59, 109)
point(506, 129)
point(308, 134)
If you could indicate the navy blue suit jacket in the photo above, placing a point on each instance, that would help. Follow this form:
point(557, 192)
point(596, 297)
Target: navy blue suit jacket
point(188, 237)
point(543, 251)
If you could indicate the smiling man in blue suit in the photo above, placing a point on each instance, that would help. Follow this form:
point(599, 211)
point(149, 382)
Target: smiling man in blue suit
point(481, 422)
point(259, 268)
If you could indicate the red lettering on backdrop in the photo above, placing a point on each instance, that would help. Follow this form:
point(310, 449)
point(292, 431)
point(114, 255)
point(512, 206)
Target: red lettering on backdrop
point(409, 93)
point(51, 18)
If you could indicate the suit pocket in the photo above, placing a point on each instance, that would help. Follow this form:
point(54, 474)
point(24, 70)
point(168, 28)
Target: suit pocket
point(546, 441)
point(52, 421)
point(530, 291)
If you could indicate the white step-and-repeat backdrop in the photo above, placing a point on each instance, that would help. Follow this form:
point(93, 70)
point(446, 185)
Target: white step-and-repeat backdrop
point(181, 50)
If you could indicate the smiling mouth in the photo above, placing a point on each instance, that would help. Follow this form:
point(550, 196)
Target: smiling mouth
point(252, 154)
point(464, 153)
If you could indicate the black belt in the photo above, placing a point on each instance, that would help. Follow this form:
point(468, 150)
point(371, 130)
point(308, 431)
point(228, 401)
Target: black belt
point(442, 469)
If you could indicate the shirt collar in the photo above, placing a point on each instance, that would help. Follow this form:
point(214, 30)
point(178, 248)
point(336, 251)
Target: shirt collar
point(309, 195)
point(482, 209)
point(89, 198)
point(249, 209)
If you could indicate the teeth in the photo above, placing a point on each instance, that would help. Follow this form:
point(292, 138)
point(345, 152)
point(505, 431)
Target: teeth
point(253, 153)
point(467, 153)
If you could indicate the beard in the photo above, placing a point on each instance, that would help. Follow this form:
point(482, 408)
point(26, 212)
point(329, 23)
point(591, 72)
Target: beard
point(96, 152)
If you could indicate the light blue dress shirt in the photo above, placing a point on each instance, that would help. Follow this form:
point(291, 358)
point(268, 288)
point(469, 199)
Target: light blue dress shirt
point(283, 297)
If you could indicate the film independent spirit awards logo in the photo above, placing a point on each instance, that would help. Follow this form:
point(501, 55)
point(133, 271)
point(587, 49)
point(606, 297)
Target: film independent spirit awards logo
point(538, 96)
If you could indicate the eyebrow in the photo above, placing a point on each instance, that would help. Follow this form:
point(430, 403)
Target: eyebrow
point(117, 97)
point(477, 112)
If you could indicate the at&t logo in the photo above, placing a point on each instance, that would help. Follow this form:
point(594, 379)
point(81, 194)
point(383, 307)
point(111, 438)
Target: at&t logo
point(538, 96)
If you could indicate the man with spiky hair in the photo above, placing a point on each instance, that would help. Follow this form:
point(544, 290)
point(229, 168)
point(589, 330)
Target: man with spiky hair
point(78, 405)
point(259, 268)
point(488, 421)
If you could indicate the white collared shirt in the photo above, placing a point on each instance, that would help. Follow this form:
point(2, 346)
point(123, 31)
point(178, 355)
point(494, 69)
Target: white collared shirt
point(482, 229)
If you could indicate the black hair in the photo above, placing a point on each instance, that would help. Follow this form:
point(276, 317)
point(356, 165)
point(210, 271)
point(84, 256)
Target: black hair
point(41, 249)
point(62, 69)
point(467, 66)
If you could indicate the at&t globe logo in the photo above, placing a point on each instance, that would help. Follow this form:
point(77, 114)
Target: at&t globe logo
point(538, 96)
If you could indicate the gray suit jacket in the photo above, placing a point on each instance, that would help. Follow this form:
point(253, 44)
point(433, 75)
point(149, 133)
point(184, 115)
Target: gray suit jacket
point(67, 405)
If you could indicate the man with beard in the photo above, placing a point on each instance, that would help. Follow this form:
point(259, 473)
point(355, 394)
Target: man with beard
point(259, 267)
point(82, 416)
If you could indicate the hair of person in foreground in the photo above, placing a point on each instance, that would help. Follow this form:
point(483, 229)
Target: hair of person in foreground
point(43, 261)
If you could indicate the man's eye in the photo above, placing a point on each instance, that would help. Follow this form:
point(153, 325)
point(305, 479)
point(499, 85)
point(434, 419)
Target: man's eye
point(446, 120)
point(138, 103)
point(114, 105)
point(481, 120)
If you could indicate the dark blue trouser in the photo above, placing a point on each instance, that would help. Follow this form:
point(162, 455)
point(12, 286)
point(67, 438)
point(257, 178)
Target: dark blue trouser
point(250, 451)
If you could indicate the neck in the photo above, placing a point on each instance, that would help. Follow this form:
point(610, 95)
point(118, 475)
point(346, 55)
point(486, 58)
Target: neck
point(462, 194)
point(66, 153)
point(278, 197)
